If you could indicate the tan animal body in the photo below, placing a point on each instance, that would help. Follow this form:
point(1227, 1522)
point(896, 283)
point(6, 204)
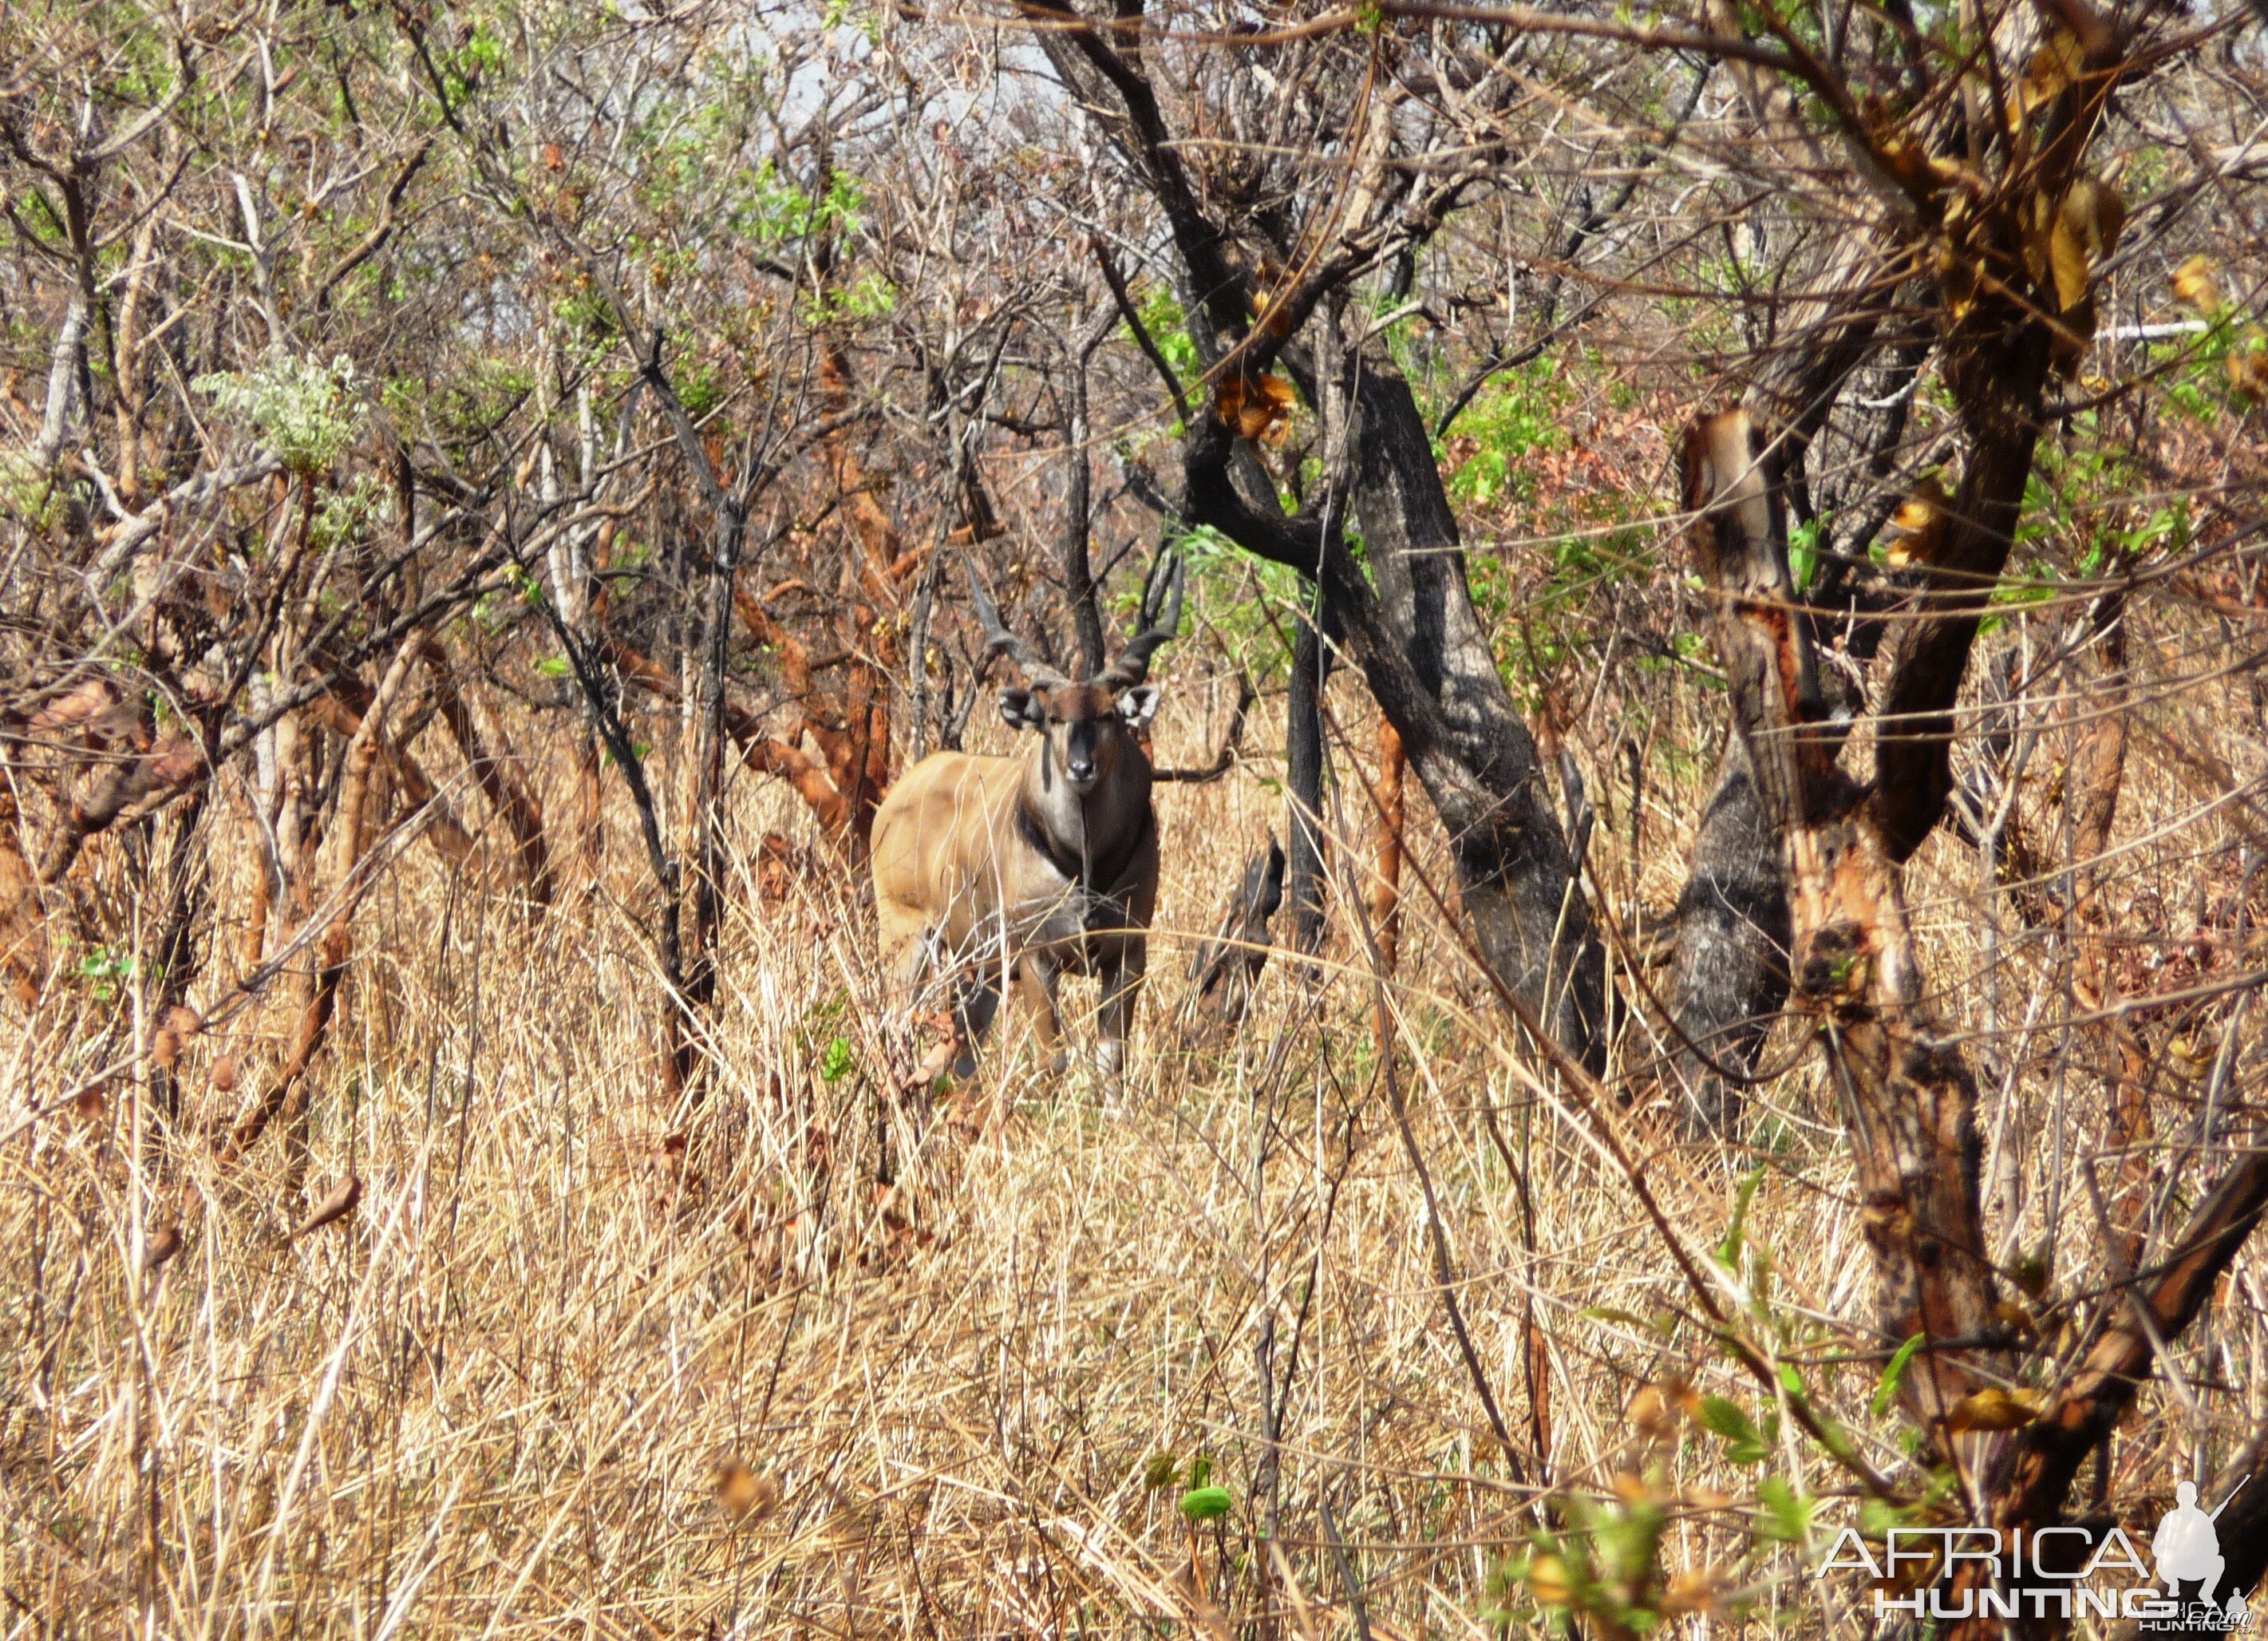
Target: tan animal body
point(990, 870)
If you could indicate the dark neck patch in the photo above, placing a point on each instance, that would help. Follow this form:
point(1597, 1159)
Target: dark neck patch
point(1095, 874)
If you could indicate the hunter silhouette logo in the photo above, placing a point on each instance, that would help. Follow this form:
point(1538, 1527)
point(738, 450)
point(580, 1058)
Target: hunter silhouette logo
point(2063, 1571)
point(2187, 1550)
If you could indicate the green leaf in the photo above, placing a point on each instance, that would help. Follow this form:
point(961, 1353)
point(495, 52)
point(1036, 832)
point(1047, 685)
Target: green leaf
point(1886, 1388)
point(1728, 1252)
point(1744, 1444)
point(1205, 1503)
point(1803, 549)
point(835, 1064)
point(1161, 1472)
point(1787, 1513)
point(1721, 1416)
point(552, 667)
point(1878, 1516)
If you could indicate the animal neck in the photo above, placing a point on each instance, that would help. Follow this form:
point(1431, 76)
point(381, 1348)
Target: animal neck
point(1086, 838)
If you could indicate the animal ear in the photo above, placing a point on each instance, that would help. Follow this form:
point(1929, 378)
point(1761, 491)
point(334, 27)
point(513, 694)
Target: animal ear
point(1138, 705)
point(1020, 708)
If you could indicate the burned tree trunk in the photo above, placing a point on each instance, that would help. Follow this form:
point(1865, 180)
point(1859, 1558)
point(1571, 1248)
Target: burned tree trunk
point(1729, 975)
point(1906, 1094)
point(1411, 626)
point(1426, 656)
point(1908, 1099)
point(1226, 968)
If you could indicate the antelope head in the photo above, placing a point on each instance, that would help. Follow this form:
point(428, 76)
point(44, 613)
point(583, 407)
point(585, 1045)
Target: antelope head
point(1088, 726)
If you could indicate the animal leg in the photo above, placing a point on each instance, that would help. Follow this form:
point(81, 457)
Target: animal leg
point(978, 1000)
point(1035, 982)
point(905, 945)
point(1122, 983)
point(908, 958)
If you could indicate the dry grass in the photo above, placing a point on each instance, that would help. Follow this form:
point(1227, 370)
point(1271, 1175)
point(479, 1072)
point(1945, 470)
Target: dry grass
point(577, 1363)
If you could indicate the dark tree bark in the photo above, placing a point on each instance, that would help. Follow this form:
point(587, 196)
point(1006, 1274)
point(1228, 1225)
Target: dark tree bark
point(1728, 977)
point(1908, 1099)
point(2032, 1471)
point(2001, 390)
point(1422, 646)
point(1226, 968)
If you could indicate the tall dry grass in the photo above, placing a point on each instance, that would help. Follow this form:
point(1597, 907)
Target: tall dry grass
point(808, 1360)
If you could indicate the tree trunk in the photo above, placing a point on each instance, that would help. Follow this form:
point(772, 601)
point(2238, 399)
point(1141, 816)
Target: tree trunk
point(1412, 629)
point(499, 782)
point(1414, 632)
point(1427, 658)
point(1728, 978)
point(2001, 389)
point(2028, 1472)
point(285, 1093)
point(1729, 975)
point(1906, 1094)
point(23, 924)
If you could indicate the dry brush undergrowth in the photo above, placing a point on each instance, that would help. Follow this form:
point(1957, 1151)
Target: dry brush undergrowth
point(809, 1361)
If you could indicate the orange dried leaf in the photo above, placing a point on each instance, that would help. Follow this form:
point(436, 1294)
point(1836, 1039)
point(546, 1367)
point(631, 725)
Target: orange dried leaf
point(2195, 284)
point(2247, 368)
point(162, 1245)
point(2052, 68)
point(1919, 527)
point(2013, 1313)
point(746, 1495)
point(1228, 399)
point(335, 1207)
point(1652, 1415)
point(1994, 1409)
point(2087, 225)
point(1694, 1590)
